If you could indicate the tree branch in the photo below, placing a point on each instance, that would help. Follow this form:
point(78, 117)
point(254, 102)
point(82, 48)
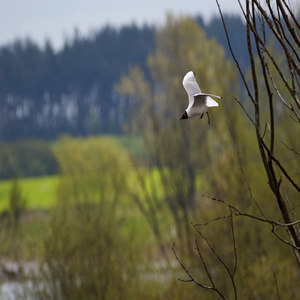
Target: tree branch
point(192, 279)
point(276, 285)
point(233, 55)
point(281, 167)
point(221, 261)
point(293, 150)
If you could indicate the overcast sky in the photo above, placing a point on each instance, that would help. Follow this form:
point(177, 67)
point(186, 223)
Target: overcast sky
point(56, 19)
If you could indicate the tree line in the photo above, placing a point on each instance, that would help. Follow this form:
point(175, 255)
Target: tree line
point(44, 92)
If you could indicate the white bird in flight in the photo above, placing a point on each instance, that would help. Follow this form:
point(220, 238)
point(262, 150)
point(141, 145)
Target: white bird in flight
point(198, 101)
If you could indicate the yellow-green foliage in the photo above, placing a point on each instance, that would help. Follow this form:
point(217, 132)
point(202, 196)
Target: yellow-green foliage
point(88, 254)
point(40, 192)
point(178, 148)
point(93, 170)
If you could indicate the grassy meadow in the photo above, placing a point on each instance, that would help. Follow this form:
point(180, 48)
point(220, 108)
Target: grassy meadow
point(41, 197)
point(38, 192)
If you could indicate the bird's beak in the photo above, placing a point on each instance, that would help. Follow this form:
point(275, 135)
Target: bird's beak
point(184, 115)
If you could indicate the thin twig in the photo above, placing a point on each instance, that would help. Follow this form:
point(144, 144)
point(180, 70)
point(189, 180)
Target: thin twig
point(283, 240)
point(252, 64)
point(192, 279)
point(233, 55)
point(234, 247)
point(229, 272)
point(289, 106)
point(291, 13)
point(289, 178)
point(293, 150)
point(256, 35)
point(204, 265)
point(280, 28)
point(238, 213)
point(288, 202)
point(276, 284)
point(270, 94)
point(249, 187)
point(287, 22)
point(213, 220)
point(244, 109)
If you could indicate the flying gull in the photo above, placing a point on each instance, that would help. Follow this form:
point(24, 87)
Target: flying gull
point(198, 101)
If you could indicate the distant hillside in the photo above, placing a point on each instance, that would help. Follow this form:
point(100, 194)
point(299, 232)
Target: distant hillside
point(45, 93)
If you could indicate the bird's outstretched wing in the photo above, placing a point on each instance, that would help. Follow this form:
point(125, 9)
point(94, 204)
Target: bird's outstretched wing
point(211, 95)
point(209, 101)
point(190, 84)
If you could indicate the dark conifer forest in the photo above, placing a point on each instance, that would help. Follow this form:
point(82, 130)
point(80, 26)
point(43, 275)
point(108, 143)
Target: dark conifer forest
point(44, 92)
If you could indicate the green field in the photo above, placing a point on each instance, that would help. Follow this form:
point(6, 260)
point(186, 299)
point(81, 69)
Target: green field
point(40, 195)
point(39, 192)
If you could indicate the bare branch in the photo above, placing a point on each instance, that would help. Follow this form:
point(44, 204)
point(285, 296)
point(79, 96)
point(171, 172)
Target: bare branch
point(229, 272)
point(204, 265)
point(234, 248)
point(283, 240)
point(281, 167)
point(252, 64)
point(265, 130)
point(237, 213)
point(245, 111)
point(275, 281)
point(293, 150)
point(287, 22)
point(283, 26)
point(212, 249)
point(292, 14)
point(291, 209)
point(213, 220)
point(257, 37)
point(248, 185)
point(280, 28)
point(274, 224)
point(270, 94)
point(233, 55)
point(192, 279)
point(289, 106)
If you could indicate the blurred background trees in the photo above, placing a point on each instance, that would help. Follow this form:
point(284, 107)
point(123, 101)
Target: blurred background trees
point(31, 157)
point(90, 252)
point(45, 93)
point(174, 147)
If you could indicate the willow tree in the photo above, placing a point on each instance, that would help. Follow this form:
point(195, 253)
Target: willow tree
point(89, 249)
point(178, 150)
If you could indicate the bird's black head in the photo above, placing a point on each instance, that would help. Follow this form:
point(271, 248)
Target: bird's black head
point(184, 115)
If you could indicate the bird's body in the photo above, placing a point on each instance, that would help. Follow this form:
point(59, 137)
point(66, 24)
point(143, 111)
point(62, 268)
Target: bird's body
point(198, 101)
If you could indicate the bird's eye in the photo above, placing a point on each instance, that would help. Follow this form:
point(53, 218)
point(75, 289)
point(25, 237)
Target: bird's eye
point(194, 73)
